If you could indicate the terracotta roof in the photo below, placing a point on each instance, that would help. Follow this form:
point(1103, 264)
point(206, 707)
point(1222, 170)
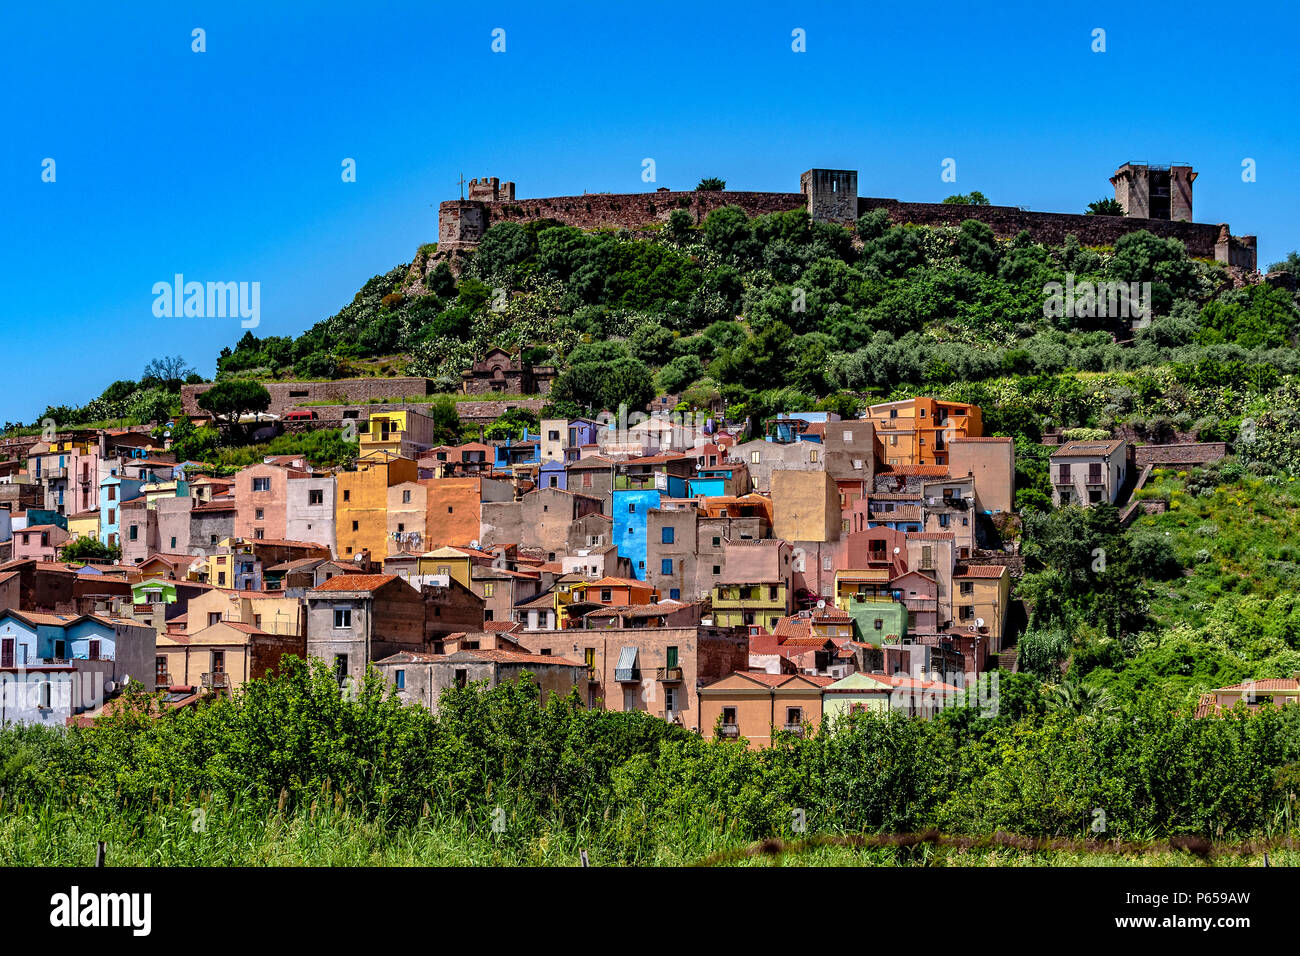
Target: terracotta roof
point(901, 513)
point(493, 656)
point(930, 536)
point(777, 680)
point(356, 582)
point(1086, 448)
point(979, 571)
point(974, 439)
point(1268, 684)
point(501, 627)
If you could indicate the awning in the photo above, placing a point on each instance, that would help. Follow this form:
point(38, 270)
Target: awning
point(626, 669)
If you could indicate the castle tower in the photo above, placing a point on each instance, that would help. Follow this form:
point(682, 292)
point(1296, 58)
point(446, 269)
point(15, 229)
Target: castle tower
point(1154, 192)
point(832, 195)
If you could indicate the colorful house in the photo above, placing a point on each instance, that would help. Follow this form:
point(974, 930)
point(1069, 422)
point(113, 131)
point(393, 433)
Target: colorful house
point(757, 706)
point(630, 509)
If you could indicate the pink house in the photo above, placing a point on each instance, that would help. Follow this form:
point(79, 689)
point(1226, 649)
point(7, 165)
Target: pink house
point(41, 542)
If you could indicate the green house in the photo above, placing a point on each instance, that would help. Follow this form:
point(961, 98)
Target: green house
point(154, 591)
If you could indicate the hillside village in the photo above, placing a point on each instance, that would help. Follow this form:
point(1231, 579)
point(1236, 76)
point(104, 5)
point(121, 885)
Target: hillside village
point(730, 557)
point(704, 575)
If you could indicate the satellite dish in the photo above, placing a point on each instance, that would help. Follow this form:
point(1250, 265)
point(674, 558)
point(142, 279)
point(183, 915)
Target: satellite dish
point(896, 549)
point(358, 557)
point(474, 544)
point(979, 622)
point(821, 604)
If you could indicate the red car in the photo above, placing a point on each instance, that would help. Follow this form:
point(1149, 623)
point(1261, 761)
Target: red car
point(300, 415)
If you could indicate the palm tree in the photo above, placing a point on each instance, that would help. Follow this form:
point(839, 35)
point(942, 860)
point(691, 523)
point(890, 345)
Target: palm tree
point(1081, 700)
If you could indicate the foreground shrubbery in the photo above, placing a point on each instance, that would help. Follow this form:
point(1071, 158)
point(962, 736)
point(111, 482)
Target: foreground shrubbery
point(373, 773)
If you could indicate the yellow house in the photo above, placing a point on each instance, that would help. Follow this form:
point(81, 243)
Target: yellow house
point(84, 525)
point(158, 489)
point(447, 560)
point(361, 502)
point(980, 599)
point(403, 434)
point(268, 611)
point(221, 656)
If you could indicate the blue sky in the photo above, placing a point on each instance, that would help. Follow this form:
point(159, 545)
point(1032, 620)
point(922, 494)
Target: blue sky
point(225, 165)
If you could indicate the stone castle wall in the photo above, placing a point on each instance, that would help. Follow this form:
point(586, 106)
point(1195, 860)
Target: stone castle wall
point(462, 222)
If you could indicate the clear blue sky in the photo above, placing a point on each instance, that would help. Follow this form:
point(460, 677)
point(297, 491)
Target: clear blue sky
point(225, 165)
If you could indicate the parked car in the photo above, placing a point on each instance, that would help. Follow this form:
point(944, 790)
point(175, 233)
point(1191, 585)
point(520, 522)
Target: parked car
point(300, 415)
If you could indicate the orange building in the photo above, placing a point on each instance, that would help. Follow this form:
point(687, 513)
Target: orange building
point(361, 503)
point(917, 431)
point(455, 509)
point(752, 705)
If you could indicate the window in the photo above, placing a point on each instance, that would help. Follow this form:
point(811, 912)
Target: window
point(755, 457)
point(672, 656)
point(399, 679)
point(173, 544)
point(717, 569)
point(879, 624)
point(966, 587)
point(965, 613)
point(342, 617)
point(489, 589)
point(46, 693)
point(631, 508)
point(134, 534)
point(214, 617)
point(261, 484)
point(7, 651)
point(112, 519)
point(666, 566)
point(667, 536)
point(347, 494)
point(316, 497)
point(586, 479)
point(847, 436)
point(401, 527)
point(674, 594)
point(406, 496)
point(340, 667)
point(1065, 471)
point(93, 652)
point(462, 677)
point(552, 435)
point(793, 716)
point(112, 492)
point(717, 541)
point(356, 525)
point(259, 514)
point(812, 456)
point(606, 595)
point(826, 563)
point(218, 662)
point(943, 521)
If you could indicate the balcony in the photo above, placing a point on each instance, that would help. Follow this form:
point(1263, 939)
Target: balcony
point(218, 681)
point(730, 731)
point(668, 675)
point(796, 729)
point(630, 675)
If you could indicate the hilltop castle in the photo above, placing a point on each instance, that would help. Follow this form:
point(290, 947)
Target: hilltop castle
point(1155, 198)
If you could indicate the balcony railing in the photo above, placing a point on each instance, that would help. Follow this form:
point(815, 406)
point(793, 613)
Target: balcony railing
point(731, 730)
point(628, 676)
point(796, 729)
point(668, 675)
point(219, 681)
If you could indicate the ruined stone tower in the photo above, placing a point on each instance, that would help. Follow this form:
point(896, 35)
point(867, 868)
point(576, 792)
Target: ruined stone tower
point(832, 195)
point(1154, 192)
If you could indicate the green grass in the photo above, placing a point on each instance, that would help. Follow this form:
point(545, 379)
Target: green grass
point(53, 835)
point(1242, 540)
